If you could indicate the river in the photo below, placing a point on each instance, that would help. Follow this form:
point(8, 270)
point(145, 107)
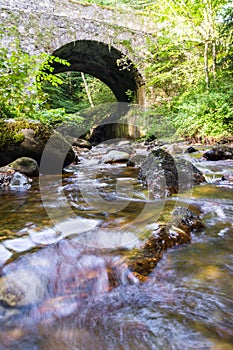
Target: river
point(63, 243)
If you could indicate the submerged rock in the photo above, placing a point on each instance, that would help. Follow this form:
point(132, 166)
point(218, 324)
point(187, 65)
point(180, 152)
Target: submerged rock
point(20, 289)
point(143, 260)
point(219, 153)
point(186, 219)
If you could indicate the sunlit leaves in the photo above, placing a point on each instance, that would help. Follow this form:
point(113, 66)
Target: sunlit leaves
point(21, 76)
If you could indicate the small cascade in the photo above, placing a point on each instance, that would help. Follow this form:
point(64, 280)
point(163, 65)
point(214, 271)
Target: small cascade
point(19, 180)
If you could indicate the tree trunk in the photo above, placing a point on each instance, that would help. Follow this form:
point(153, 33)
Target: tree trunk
point(206, 65)
point(214, 58)
point(87, 90)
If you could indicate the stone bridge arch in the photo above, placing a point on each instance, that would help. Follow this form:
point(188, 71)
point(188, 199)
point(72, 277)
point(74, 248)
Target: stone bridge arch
point(104, 62)
point(100, 36)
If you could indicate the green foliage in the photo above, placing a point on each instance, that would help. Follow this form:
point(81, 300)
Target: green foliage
point(57, 116)
point(188, 69)
point(204, 113)
point(226, 35)
point(71, 94)
point(170, 67)
point(159, 126)
point(190, 65)
point(45, 73)
point(9, 134)
point(21, 77)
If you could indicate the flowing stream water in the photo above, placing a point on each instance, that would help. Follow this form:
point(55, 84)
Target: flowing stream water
point(64, 284)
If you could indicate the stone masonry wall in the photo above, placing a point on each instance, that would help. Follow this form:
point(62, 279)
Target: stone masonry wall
point(46, 25)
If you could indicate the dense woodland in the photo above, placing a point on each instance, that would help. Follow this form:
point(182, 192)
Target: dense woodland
point(189, 72)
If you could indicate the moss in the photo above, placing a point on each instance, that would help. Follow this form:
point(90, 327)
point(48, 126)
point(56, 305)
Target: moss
point(9, 135)
point(11, 131)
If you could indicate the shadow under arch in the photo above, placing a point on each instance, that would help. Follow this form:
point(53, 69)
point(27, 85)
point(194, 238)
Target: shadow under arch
point(102, 61)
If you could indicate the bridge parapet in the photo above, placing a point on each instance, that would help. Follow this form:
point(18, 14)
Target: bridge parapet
point(73, 9)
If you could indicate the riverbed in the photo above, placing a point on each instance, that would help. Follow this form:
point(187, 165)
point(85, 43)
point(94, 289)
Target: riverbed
point(63, 241)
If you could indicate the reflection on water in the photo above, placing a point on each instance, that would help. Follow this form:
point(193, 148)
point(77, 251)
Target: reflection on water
point(65, 286)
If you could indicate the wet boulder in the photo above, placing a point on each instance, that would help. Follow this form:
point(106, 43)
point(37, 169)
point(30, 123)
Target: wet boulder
point(219, 153)
point(81, 143)
point(190, 149)
point(115, 157)
point(31, 139)
point(165, 175)
point(159, 174)
point(166, 235)
point(26, 166)
point(228, 178)
point(188, 174)
point(136, 159)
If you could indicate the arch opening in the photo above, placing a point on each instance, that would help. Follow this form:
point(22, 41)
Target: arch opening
point(104, 63)
point(77, 92)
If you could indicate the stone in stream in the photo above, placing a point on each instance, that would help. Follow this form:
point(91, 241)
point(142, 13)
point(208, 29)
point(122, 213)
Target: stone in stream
point(165, 175)
point(26, 166)
point(190, 149)
point(227, 177)
point(219, 153)
point(188, 174)
point(5, 178)
point(143, 259)
point(159, 174)
point(115, 156)
point(81, 143)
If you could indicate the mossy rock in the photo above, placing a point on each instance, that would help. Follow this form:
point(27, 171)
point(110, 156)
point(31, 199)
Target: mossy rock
point(26, 166)
point(23, 138)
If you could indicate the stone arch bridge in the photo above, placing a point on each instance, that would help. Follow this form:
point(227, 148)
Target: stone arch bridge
point(106, 44)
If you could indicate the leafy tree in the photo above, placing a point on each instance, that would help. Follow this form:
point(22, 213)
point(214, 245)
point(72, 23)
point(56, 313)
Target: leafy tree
point(185, 66)
point(71, 94)
point(21, 76)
